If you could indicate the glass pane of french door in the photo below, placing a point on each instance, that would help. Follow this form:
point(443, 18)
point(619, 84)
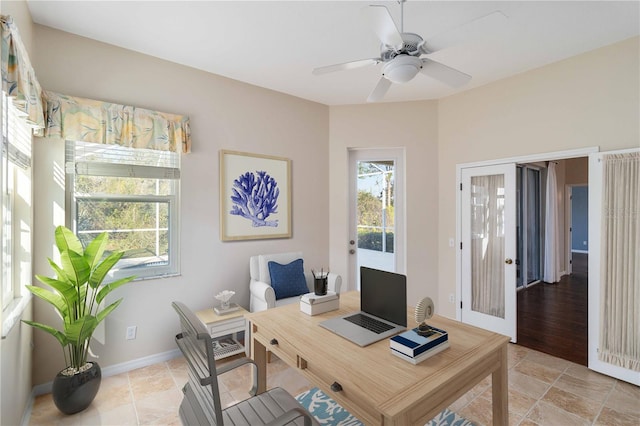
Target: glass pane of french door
point(487, 245)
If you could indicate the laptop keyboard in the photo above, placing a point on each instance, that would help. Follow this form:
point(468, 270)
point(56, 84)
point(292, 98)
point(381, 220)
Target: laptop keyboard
point(369, 323)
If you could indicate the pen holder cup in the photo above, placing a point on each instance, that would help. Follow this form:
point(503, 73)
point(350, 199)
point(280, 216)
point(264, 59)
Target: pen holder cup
point(320, 286)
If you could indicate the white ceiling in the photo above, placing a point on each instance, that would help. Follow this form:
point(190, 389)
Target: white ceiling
point(276, 45)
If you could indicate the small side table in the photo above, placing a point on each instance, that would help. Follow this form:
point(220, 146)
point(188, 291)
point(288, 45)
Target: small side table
point(225, 325)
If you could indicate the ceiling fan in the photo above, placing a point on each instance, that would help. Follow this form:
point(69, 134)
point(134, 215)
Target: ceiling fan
point(400, 53)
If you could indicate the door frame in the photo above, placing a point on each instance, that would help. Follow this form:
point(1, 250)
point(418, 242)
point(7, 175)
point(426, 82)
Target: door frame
point(549, 156)
point(371, 154)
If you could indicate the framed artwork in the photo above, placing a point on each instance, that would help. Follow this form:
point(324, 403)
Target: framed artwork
point(255, 196)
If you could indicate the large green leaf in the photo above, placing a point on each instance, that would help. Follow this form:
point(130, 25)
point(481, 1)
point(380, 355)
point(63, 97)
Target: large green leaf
point(66, 240)
point(81, 330)
point(53, 298)
point(55, 333)
point(65, 289)
point(103, 268)
point(105, 290)
point(76, 268)
point(61, 274)
point(94, 251)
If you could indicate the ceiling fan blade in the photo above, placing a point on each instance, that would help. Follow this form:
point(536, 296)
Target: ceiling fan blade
point(345, 66)
point(449, 76)
point(470, 30)
point(380, 90)
point(382, 24)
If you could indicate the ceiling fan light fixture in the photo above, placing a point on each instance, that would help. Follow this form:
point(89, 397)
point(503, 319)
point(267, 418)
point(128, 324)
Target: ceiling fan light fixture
point(402, 68)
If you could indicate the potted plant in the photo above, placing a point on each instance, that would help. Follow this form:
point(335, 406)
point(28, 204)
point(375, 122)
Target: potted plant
point(76, 295)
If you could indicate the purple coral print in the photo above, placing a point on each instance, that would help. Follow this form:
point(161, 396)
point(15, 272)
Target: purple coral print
point(255, 197)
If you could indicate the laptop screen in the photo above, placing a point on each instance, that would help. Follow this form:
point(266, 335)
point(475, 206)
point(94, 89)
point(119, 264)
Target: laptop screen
point(384, 295)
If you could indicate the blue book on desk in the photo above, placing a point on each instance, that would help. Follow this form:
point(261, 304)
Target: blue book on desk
point(413, 344)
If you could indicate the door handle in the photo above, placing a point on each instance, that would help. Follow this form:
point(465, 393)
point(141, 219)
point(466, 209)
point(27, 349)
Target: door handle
point(508, 261)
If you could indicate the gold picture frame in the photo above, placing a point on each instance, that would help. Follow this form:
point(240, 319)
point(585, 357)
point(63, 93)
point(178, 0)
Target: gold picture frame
point(255, 196)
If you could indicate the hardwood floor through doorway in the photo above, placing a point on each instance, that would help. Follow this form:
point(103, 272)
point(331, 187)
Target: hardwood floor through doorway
point(552, 318)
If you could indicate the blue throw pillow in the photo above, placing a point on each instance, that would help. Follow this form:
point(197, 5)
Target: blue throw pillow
point(288, 280)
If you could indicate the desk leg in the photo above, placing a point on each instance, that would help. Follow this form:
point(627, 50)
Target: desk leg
point(259, 356)
point(500, 390)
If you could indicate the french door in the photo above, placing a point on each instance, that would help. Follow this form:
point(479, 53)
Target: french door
point(612, 258)
point(488, 252)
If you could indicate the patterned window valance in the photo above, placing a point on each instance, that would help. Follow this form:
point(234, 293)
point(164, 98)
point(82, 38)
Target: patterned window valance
point(18, 77)
point(79, 119)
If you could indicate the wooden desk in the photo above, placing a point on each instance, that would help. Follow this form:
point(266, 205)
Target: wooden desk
point(378, 387)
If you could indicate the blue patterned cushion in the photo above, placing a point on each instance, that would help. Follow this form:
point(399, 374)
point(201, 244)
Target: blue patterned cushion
point(288, 280)
point(330, 413)
point(326, 410)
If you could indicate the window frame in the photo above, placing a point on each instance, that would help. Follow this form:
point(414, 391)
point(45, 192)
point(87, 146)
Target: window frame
point(16, 184)
point(172, 268)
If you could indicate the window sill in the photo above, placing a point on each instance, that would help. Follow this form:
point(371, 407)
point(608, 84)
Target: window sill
point(13, 313)
point(158, 277)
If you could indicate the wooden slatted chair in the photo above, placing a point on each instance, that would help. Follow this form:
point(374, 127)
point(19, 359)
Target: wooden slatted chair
point(201, 402)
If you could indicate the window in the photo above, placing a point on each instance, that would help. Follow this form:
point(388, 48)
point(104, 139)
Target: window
point(133, 195)
point(15, 213)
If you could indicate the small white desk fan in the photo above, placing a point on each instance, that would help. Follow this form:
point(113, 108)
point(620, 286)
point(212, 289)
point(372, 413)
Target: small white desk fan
point(424, 310)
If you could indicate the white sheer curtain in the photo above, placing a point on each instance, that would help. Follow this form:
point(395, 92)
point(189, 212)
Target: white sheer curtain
point(551, 232)
point(620, 264)
point(487, 245)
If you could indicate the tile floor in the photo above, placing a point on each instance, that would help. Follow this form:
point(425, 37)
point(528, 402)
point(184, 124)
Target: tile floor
point(543, 390)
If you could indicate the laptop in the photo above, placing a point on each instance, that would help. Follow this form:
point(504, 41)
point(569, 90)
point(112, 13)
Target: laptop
point(383, 304)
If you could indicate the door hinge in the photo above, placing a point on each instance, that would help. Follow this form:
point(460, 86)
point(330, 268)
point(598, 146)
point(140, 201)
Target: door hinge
point(460, 186)
point(460, 245)
point(461, 304)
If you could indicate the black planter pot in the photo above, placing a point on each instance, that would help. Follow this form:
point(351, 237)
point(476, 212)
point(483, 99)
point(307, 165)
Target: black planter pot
point(72, 394)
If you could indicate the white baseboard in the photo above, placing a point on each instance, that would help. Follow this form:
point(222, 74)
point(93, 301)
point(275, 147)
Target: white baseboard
point(146, 361)
point(124, 367)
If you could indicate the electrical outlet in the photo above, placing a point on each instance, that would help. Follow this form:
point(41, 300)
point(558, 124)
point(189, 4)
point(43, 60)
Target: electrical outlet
point(584, 243)
point(452, 298)
point(131, 332)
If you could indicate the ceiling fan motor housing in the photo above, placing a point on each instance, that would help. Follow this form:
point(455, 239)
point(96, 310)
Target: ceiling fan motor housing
point(402, 68)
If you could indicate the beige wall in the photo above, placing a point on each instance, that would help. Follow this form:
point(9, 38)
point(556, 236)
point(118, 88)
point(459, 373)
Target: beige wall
point(412, 126)
point(225, 114)
point(585, 101)
point(15, 349)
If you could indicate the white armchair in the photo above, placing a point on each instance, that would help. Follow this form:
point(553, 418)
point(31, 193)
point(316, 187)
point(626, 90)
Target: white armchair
point(263, 295)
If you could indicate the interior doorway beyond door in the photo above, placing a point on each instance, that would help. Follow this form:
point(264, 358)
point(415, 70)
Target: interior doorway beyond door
point(552, 318)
